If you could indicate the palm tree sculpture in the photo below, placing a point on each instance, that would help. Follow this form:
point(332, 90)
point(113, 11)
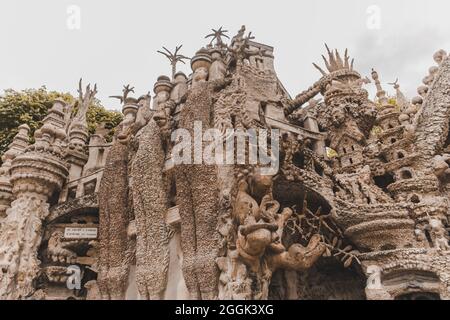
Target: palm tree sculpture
point(174, 58)
point(217, 35)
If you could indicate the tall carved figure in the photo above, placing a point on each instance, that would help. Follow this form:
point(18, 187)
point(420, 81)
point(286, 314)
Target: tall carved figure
point(114, 219)
point(197, 193)
point(150, 199)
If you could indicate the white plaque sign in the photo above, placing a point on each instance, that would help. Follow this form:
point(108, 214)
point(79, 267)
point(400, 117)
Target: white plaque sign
point(80, 233)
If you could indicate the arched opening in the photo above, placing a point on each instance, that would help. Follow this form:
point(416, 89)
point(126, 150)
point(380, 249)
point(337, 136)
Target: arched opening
point(415, 198)
point(326, 280)
point(388, 247)
point(404, 283)
point(419, 296)
point(384, 181)
point(406, 174)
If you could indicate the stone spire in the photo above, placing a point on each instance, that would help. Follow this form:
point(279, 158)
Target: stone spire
point(381, 94)
point(335, 62)
point(402, 101)
point(18, 145)
point(36, 174)
point(78, 132)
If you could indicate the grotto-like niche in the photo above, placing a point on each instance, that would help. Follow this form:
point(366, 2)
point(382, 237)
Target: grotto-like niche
point(337, 274)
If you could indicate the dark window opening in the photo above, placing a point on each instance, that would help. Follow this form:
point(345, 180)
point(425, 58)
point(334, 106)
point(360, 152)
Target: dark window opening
point(383, 158)
point(54, 199)
point(101, 153)
point(406, 174)
point(335, 190)
point(393, 140)
point(173, 194)
point(299, 160)
point(415, 198)
point(384, 181)
point(309, 144)
point(429, 239)
point(400, 155)
point(318, 169)
point(72, 193)
point(259, 63)
point(233, 120)
point(351, 160)
point(89, 187)
point(388, 247)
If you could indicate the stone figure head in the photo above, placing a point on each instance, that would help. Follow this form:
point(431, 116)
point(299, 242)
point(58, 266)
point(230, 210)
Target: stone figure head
point(439, 56)
point(162, 89)
point(200, 64)
point(180, 77)
point(337, 116)
point(422, 91)
point(216, 55)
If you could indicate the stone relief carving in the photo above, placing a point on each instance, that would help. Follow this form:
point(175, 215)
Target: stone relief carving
point(362, 188)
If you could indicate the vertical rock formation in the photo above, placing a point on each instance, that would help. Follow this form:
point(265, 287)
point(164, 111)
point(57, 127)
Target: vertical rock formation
point(116, 212)
point(151, 201)
point(114, 218)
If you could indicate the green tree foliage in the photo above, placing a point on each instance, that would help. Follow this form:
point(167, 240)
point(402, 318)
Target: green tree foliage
point(30, 106)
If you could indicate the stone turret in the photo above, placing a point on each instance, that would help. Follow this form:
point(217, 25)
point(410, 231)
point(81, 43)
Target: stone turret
point(78, 134)
point(35, 175)
point(19, 144)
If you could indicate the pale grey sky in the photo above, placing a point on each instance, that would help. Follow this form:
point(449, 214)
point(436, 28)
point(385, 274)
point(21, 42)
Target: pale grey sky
point(118, 39)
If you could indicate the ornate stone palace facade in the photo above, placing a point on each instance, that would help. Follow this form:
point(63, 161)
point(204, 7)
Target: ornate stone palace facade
point(359, 208)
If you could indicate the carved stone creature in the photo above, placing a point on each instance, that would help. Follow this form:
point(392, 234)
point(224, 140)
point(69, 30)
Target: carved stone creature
point(259, 236)
point(438, 234)
point(441, 166)
point(218, 69)
point(57, 249)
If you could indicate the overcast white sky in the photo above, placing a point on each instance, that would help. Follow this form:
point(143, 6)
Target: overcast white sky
point(118, 39)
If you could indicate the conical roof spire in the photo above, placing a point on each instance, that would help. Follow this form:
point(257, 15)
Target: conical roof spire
point(381, 94)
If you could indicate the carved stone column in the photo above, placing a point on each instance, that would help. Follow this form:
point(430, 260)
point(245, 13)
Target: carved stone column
point(18, 145)
point(35, 176)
